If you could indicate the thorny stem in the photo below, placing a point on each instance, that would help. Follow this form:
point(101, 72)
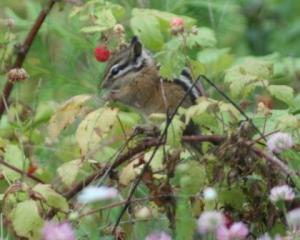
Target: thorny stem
point(22, 52)
point(20, 171)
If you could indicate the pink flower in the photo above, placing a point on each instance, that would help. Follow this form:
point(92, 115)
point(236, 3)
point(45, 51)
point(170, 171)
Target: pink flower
point(177, 25)
point(94, 194)
point(266, 236)
point(281, 193)
point(158, 236)
point(210, 221)
point(56, 231)
point(279, 142)
point(293, 218)
point(237, 231)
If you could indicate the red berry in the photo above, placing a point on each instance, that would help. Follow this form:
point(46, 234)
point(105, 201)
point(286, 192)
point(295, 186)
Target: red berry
point(31, 169)
point(101, 53)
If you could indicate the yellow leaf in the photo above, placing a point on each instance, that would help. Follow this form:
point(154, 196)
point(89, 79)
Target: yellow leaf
point(129, 173)
point(66, 114)
point(68, 171)
point(94, 128)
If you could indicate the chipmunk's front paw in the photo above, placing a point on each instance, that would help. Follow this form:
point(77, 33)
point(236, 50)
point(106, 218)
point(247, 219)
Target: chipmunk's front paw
point(148, 130)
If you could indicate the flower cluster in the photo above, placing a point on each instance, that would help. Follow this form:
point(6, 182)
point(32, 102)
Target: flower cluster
point(93, 194)
point(293, 219)
point(158, 236)
point(237, 231)
point(209, 194)
point(282, 193)
point(215, 222)
point(210, 221)
point(58, 231)
point(279, 142)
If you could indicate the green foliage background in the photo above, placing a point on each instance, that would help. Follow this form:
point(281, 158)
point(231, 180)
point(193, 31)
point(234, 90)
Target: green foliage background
point(250, 48)
point(62, 57)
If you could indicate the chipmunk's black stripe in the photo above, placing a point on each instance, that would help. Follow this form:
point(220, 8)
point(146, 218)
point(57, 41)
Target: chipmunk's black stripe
point(186, 88)
point(186, 74)
point(138, 68)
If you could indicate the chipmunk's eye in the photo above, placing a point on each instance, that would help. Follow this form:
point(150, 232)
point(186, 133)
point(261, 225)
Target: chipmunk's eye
point(115, 71)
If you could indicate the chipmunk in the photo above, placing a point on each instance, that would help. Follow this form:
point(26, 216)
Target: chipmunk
point(132, 77)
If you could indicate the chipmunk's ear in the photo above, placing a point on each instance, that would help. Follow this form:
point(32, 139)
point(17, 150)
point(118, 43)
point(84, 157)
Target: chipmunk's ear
point(136, 47)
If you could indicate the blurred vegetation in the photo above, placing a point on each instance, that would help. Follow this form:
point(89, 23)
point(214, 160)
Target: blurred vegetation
point(250, 49)
point(61, 62)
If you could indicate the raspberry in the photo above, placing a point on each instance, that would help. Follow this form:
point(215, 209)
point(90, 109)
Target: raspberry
point(101, 53)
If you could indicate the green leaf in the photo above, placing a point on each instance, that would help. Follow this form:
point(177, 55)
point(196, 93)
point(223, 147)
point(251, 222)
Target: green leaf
point(233, 197)
point(215, 60)
point(14, 156)
point(293, 159)
point(175, 132)
point(44, 112)
point(26, 220)
point(282, 92)
point(197, 68)
point(52, 198)
point(171, 59)
point(157, 161)
point(192, 177)
point(185, 223)
point(295, 105)
point(205, 37)
point(245, 77)
point(203, 113)
point(163, 17)
point(68, 171)
point(147, 28)
point(93, 29)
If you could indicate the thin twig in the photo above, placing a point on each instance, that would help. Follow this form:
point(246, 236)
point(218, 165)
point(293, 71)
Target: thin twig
point(147, 164)
point(273, 160)
point(215, 139)
point(20, 171)
point(241, 111)
point(119, 161)
point(22, 52)
point(123, 202)
point(235, 105)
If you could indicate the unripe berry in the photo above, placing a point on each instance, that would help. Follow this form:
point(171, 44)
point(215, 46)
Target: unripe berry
point(17, 74)
point(143, 212)
point(101, 53)
point(177, 25)
point(119, 29)
point(31, 169)
point(10, 22)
